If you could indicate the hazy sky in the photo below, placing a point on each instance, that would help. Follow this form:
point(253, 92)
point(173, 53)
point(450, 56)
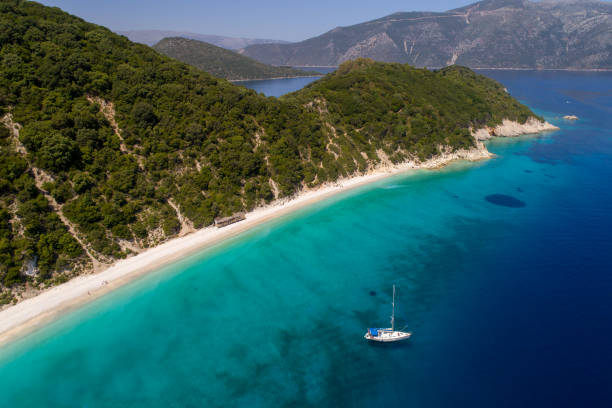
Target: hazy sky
point(276, 19)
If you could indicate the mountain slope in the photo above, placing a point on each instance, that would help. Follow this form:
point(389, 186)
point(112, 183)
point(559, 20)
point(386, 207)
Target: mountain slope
point(487, 34)
point(108, 147)
point(220, 62)
point(151, 37)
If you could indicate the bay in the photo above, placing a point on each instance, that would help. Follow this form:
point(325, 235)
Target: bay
point(509, 305)
point(282, 86)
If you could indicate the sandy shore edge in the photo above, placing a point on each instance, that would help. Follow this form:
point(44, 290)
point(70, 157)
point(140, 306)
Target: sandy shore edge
point(31, 314)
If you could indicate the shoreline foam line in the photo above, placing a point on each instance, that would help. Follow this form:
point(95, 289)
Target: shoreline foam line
point(30, 314)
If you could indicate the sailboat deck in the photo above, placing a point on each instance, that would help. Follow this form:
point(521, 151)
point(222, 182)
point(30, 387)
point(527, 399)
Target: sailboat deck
point(389, 334)
point(386, 335)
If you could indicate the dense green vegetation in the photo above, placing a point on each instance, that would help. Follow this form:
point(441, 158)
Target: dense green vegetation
point(221, 62)
point(406, 110)
point(30, 232)
point(185, 139)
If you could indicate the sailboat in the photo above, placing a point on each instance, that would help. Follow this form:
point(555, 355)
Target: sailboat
point(389, 334)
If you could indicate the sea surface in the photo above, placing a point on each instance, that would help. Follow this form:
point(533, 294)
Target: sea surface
point(503, 270)
point(279, 87)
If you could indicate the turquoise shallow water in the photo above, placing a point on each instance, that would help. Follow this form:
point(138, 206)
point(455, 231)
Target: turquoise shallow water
point(510, 306)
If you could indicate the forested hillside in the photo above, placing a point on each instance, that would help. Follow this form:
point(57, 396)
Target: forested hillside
point(404, 111)
point(108, 147)
point(220, 62)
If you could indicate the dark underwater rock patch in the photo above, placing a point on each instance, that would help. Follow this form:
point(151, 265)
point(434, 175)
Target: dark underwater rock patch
point(372, 293)
point(505, 200)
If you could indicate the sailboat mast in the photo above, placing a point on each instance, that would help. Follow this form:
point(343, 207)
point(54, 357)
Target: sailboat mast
point(393, 313)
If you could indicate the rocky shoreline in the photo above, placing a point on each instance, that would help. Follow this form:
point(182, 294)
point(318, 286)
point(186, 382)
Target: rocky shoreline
point(509, 128)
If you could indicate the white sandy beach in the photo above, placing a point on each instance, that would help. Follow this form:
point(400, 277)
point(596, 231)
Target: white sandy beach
point(29, 314)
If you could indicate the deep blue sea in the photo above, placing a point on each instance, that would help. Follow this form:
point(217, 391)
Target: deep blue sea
point(503, 270)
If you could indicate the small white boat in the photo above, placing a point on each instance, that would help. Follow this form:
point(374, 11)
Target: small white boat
point(389, 334)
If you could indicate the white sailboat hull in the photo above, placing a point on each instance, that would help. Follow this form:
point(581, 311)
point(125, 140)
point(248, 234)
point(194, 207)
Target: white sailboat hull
point(388, 335)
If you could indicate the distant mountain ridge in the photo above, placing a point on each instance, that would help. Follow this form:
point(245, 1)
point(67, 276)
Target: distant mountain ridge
point(221, 62)
point(151, 37)
point(487, 34)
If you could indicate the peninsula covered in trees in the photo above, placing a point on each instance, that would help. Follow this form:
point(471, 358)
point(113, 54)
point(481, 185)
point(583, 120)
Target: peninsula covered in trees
point(108, 147)
point(221, 62)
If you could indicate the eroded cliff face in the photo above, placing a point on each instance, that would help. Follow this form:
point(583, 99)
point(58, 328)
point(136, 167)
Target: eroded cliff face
point(487, 34)
point(376, 47)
